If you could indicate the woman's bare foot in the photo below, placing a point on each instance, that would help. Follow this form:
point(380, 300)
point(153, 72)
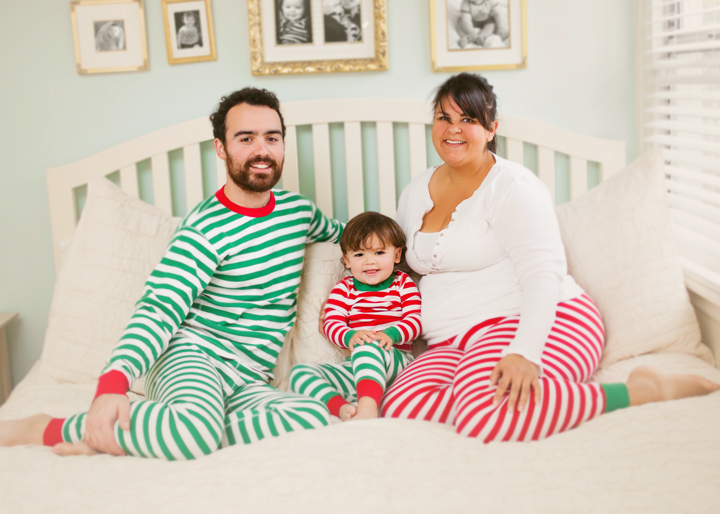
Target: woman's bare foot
point(367, 408)
point(70, 449)
point(647, 385)
point(347, 412)
point(24, 431)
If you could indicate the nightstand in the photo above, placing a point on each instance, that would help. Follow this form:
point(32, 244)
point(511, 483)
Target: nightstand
point(5, 380)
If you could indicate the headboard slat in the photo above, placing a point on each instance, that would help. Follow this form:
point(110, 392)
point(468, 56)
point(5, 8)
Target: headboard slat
point(578, 176)
point(129, 180)
point(515, 150)
point(162, 196)
point(386, 167)
point(322, 169)
point(290, 175)
point(354, 168)
point(221, 171)
point(546, 169)
point(193, 175)
point(418, 151)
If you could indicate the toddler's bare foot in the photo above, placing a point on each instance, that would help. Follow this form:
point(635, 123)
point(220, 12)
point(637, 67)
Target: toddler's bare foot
point(347, 412)
point(24, 431)
point(70, 449)
point(647, 385)
point(367, 408)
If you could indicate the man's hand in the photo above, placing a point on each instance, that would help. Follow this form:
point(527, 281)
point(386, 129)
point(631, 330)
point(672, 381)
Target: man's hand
point(361, 337)
point(518, 375)
point(100, 422)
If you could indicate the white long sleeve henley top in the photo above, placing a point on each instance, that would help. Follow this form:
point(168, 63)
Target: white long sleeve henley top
point(500, 255)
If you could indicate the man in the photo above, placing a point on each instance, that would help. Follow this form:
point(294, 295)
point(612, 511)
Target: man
point(213, 316)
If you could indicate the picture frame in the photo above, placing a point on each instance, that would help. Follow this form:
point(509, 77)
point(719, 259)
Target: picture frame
point(189, 33)
point(317, 36)
point(109, 36)
point(471, 35)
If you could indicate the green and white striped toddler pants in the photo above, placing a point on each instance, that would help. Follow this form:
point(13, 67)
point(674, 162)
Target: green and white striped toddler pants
point(187, 414)
point(367, 372)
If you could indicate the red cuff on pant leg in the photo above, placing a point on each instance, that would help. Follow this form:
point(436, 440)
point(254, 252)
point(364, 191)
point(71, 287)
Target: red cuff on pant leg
point(53, 432)
point(335, 404)
point(368, 387)
point(112, 382)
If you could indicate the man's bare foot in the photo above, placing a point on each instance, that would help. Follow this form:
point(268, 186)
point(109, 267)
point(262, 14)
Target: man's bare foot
point(647, 385)
point(347, 412)
point(24, 431)
point(367, 408)
point(70, 449)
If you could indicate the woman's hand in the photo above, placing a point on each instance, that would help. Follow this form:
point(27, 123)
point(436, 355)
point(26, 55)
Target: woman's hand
point(518, 375)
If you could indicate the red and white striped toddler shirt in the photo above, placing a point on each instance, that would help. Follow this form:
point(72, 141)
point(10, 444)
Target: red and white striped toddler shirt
point(392, 306)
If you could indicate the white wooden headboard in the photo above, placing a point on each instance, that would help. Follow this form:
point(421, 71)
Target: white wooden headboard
point(64, 181)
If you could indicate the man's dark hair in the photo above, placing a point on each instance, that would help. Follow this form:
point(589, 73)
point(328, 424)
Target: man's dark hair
point(360, 230)
point(250, 96)
point(474, 95)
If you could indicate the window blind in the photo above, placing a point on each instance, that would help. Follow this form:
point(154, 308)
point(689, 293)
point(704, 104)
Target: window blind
point(679, 48)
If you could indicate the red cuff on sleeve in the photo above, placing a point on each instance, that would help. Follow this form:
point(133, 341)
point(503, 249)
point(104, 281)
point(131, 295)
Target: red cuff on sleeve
point(112, 382)
point(335, 404)
point(53, 432)
point(368, 387)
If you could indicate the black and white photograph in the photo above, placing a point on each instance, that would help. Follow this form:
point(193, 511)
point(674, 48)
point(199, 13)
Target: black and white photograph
point(478, 24)
point(293, 22)
point(342, 21)
point(478, 34)
point(109, 36)
point(188, 31)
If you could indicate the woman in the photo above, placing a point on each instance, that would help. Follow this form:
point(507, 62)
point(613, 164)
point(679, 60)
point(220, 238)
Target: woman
point(499, 308)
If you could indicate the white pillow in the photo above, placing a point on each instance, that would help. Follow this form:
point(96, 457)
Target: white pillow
point(322, 269)
point(116, 244)
point(621, 250)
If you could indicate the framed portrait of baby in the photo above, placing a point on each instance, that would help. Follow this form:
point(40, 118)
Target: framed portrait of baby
point(478, 34)
point(109, 36)
point(317, 36)
point(189, 35)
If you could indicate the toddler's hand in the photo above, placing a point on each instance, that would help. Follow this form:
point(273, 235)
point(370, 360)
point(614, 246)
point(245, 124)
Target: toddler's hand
point(384, 340)
point(361, 337)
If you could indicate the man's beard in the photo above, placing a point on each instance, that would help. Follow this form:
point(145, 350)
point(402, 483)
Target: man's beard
point(250, 181)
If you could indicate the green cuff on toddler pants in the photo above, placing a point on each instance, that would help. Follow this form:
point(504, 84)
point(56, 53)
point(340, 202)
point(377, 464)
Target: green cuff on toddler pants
point(616, 396)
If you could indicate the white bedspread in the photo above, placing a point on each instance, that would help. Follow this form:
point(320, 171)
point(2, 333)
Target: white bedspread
point(655, 458)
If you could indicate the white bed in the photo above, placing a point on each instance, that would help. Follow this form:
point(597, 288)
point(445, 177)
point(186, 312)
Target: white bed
point(655, 458)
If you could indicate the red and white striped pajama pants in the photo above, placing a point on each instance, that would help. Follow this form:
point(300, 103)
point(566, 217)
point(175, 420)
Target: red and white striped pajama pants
point(450, 383)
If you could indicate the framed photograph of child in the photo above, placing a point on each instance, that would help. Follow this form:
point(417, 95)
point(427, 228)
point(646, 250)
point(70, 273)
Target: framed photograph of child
point(189, 35)
point(478, 34)
point(317, 36)
point(109, 36)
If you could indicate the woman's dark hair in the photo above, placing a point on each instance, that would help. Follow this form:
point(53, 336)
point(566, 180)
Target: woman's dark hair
point(360, 230)
point(475, 97)
point(248, 95)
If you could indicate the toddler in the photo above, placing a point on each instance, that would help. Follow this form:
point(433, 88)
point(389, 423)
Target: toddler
point(294, 26)
point(375, 313)
point(483, 22)
point(188, 36)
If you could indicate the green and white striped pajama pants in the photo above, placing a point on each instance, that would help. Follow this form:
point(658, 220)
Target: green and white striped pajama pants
point(187, 414)
point(367, 362)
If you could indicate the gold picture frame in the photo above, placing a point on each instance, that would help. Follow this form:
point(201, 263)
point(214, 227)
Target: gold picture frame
point(491, 35)
point(274, 52)
point(109, 36)
point(189, 33)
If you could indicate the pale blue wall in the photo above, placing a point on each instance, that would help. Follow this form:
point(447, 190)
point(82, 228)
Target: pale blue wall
point(579, 76)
